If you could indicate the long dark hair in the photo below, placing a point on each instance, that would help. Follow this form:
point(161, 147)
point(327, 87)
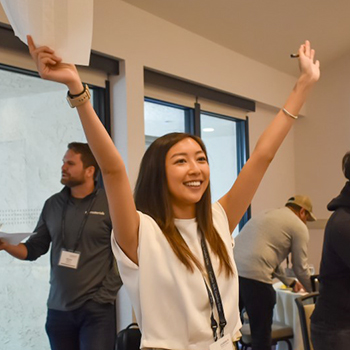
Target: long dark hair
point(152, 198)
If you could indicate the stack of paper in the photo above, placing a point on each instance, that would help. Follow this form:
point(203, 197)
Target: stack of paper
point(14, 238)
point(63, 25)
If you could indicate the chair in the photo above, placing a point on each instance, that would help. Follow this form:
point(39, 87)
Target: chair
point(279, 332)
point(129, 338)
point(315, 283)
point(306, 305)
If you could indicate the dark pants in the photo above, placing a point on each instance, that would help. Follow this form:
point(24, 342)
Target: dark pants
point(324, 337)
point(258, 299)
point(90, 327)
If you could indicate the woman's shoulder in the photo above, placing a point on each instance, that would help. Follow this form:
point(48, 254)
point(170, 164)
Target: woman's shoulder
point(219, 216)
point(218, 209)
point(147, 224)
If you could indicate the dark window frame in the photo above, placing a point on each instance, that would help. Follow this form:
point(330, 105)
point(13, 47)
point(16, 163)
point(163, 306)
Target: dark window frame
point(200, 91)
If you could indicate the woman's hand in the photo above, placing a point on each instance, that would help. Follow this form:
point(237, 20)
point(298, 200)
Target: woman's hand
point(51, 68)
point(308, 68)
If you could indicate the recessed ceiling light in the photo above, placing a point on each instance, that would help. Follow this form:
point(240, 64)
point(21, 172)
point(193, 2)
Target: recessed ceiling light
point(208, 129)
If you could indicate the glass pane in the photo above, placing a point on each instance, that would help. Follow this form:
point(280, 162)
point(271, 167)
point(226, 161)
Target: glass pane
point(35, 127)
point(219, 136)
point(162, 119)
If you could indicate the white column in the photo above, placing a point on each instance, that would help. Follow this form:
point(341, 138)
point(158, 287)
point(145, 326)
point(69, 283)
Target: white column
point(127, 114)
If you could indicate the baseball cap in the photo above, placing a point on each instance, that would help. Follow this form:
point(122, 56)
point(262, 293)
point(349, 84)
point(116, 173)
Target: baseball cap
point(303, 202)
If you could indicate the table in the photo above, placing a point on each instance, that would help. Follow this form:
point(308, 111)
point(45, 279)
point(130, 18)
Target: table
point(286, 311)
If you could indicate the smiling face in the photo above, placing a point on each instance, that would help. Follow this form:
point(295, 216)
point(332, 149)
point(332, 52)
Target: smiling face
point(187, 173)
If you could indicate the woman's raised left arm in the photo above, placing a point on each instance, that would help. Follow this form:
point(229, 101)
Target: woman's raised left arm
point(236, 201)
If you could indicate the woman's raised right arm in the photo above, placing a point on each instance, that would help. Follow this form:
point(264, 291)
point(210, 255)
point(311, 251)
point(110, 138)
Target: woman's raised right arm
point(122, 208)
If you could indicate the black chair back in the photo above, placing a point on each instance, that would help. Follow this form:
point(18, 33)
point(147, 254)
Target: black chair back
point(306, 304)
point(315, 283)
point(129, 338)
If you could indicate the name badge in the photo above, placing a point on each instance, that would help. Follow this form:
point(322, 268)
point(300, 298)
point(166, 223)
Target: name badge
point(224, 343)
point(69, 259)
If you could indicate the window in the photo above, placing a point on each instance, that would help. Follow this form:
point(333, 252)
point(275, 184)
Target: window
point(35, 127)
point(220, 138)
point(161, 119)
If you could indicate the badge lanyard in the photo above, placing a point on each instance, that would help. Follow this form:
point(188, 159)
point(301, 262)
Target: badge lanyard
point(215, 290)
point(81, 229)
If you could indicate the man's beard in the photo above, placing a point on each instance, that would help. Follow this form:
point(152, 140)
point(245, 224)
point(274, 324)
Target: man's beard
point(71, 182)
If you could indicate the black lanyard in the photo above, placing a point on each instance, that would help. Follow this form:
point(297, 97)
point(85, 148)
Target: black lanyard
point(81, 229)
point(215, 289)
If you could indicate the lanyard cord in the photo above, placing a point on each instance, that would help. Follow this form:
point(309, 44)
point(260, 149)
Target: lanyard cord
point(81, 229)
point(213, 323)
point(215, 289)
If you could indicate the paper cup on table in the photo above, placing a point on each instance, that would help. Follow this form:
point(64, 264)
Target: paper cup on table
point(63, 25)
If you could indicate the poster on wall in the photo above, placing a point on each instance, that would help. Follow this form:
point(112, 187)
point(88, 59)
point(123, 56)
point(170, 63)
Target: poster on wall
point(63, 25)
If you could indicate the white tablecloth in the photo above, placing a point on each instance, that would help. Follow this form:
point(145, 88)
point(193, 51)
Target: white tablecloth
point(286, 311)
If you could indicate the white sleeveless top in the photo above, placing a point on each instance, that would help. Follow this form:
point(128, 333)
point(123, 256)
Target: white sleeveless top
point(170, 303)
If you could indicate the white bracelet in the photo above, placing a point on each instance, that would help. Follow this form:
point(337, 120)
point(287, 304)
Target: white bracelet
point(289, 114)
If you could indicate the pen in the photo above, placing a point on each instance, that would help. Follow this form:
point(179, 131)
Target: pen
point(294, 55)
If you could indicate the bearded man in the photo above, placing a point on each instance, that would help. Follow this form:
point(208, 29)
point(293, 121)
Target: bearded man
point(84, 278)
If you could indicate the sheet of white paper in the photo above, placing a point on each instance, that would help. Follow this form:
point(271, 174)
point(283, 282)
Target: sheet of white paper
point(14, 238)
point(63, 25)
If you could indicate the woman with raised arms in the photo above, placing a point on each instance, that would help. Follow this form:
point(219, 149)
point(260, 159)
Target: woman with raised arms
point(173, 247)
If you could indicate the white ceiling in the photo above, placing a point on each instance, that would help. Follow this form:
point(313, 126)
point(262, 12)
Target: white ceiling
point(265, 30)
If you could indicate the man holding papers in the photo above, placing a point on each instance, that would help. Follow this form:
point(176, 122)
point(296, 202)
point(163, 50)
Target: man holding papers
point(84, 277)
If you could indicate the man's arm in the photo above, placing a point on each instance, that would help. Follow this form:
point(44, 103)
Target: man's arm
point(110, 285)
point(288, 281)
point(281, 275)
point(299, 257)
point(37, 245)
point(18, 251)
